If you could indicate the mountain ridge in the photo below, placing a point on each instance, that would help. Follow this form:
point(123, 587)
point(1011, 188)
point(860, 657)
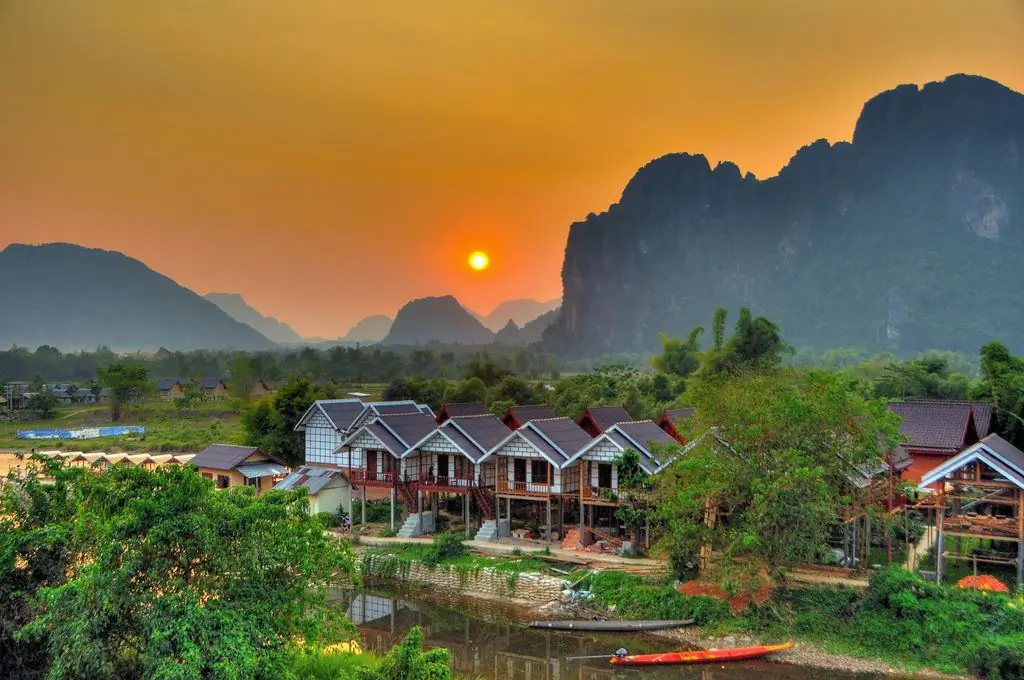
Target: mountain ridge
point(235, 306)
point(436, 319)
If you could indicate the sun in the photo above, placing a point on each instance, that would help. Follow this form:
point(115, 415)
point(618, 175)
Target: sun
point(479, 261)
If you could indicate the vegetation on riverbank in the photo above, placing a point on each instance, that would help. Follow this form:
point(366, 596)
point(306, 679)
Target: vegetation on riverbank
point(902, 619)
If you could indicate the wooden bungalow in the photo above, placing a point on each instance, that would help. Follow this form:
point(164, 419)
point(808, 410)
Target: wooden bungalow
point(672, 419)
point(258, 388)
point(329, 421)
point(214, 389)
point(232, 466)
point(979, 493)
point(469, 408)
point(517, 416)
point(533, 464)
point(170, 389)
point(599, 472)
point(597, 419)
point(371, 454)
point(938, 430)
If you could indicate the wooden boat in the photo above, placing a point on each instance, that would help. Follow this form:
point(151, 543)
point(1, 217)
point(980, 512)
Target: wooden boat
point(700, 656)
point(610, 626)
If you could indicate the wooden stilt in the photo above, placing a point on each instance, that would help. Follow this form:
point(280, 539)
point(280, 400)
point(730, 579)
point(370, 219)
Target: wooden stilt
point(940, 545)
point(363, 520)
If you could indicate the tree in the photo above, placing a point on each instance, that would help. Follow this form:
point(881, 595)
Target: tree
point(408, 661)
point(193, 395)
point(271, 425)
point(155, 574)
point(127, 383)
point(43, 404)
point(754, 342)
point(774, 451)
point(679, 357)
point(470, 390)
point(634, 489)
point(1002, 383)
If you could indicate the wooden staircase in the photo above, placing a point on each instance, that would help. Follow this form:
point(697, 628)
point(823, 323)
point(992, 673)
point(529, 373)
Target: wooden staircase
point(407, 492)
point(485, 500)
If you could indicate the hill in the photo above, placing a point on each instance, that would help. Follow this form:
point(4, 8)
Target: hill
point(72, 297)
point(904, 239)
point(531, 332)
point(520, 311)
point(436, 319)
point(370, 329)
point(235, 306)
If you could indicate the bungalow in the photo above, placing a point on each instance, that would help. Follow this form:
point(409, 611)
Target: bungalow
point(328, 489)
point(329, 421)
point(937, 430)
point(84, 396)
point(471, 408)
point(231, 466)
point(257, 389)
point(171, 388)
point(672, 419)
point(517, 416)
point(597, 419)
point(213, 388)
point(63, 394)
point(979, 494)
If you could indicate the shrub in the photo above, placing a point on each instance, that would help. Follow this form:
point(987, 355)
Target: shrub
point(635, 600)
point(409, 662)
point(447, 546)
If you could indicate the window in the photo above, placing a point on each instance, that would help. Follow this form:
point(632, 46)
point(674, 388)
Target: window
point(539, 471)
point(254, 481)
point(223, 481)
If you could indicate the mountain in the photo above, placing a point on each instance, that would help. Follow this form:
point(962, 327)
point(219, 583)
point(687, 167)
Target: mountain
point(520, 311)
point(904, 239)
point(72, 297)
point(370, 329)
point(511, 334)
point(235, 306)
point(436, 319)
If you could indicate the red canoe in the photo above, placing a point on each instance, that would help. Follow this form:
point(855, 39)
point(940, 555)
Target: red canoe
point(700, 656)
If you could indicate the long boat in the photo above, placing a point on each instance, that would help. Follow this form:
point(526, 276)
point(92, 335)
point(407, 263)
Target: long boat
point(610, 626)
point(699, 656)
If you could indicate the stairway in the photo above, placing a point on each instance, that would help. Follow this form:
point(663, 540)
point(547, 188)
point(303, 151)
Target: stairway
point(485, 501)
point(411, 526)
point(492, 530)
point(407, 492)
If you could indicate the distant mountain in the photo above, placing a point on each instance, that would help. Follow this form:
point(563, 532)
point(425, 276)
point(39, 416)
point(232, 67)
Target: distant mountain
point(906, 239)
point(532, 332)
point(370, 329)
point(72, 297)
point(520, 311)
point(436, 319)
point(235, 306)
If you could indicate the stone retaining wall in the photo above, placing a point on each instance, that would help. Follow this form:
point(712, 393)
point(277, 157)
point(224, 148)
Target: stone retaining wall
point(532, 588)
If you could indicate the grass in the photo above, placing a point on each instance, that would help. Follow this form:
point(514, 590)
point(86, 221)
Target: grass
point(320, 665)
point(167, 429)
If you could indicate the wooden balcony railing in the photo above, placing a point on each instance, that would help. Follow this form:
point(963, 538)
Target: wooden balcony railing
point(372, 477)
point(450, 482)
point(525, 488)
point(596, 494)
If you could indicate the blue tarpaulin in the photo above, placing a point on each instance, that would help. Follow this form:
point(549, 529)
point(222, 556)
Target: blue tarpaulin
point(82, 433)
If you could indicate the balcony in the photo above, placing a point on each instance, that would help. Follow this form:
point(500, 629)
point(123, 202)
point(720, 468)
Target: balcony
point(451, 484)
point(362, 477)
point(599, 495)
point(526, 489)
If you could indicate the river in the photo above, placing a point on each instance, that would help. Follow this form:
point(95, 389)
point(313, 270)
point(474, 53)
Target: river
point(488, 640)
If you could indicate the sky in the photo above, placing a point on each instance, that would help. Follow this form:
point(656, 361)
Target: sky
point(329, 159)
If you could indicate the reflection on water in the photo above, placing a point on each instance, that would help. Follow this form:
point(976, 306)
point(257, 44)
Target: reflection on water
point(487, 641)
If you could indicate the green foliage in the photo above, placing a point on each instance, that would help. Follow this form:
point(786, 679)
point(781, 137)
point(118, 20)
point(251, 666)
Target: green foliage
point(137, 573)
point(127, 382)
point(270, 424)
point(43, 404)
point(316, 664)
point(927, 377)
point(409, 661)
point(446, 547)
point(1002, 383)
point(469, 390)
point(754, 342)
point(774, 450)
point(635, 600)
point(681, 358)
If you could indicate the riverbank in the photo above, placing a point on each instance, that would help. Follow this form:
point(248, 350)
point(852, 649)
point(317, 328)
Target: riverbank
point(899, 626)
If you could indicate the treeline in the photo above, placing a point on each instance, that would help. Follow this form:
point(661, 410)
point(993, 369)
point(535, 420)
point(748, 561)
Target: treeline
point(345, 364)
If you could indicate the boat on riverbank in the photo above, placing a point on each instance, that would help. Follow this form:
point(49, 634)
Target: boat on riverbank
point(610, 626)
point(699, 656)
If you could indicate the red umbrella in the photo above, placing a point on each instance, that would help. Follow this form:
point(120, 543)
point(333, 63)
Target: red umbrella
point(983, 582)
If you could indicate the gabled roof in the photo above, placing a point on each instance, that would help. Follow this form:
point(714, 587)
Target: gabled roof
point(397, 433)
point(606, 416)
point(934, 424)
point(313, 478)
point(376, 409)
point(468, 408)
point(678, 415)
point(167, 383)
point(638, 435)
point(211, 383)
point(227, 456)
point(556, 439)
point(517, 416)
point(993, 451)
point(483, 432)
point(340, 412)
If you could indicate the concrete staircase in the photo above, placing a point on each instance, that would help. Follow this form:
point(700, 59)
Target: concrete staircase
point(491, 530)
point(411, 526)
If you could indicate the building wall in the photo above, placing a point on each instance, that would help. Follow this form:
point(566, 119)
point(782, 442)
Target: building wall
point(337, 495)
point(321, 439)
point(922, 463)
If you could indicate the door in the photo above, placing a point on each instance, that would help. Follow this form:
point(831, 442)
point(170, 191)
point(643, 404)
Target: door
point(604, 475)
point(519, 470)
point(442, 466)
point(371, 464)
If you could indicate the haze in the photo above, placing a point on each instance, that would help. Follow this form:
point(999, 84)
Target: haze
point(330, 160)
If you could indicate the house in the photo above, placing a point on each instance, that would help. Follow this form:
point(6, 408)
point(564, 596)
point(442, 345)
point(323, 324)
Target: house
point(979, 494)
point(597, 419)
point(328, 489)
point(672, 419)
point(517, 416)
point(104, 395)
point(471, 408)
point(63, 396)
point(170, 389)
point(257, 389)
point(231, 466)
point(328, 422)
point(937, 430)
point(213, 388)
point(84, 396)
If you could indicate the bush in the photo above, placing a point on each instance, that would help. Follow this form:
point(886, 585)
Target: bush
point(376, 511)
point(635, 600)
point(409, 662)
point(447, 546)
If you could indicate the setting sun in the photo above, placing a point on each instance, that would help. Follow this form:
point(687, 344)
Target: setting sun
point(479, 261)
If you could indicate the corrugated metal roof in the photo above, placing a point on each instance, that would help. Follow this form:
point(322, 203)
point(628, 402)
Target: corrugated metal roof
point(314, 479)
point(256, 470)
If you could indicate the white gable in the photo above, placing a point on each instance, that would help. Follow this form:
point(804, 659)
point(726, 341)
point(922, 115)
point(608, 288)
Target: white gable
point(439, 443)
point(518, 447)
point(605, 451)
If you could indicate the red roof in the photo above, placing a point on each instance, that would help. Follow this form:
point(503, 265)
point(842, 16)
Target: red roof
point(944, 425)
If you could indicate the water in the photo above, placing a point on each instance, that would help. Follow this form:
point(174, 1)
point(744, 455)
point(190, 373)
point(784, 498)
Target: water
point(489, 641)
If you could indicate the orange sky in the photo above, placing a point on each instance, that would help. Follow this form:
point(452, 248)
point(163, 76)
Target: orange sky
point(331, 159)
